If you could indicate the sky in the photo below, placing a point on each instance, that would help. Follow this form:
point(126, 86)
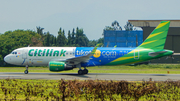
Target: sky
point(90, 15)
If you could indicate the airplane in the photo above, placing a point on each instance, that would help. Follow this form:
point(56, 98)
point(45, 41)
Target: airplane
point(67, 58)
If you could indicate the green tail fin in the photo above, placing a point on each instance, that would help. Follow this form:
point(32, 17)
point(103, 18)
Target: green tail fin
point(157, 39)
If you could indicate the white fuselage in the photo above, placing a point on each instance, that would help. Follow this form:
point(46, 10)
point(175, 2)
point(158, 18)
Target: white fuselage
point(39, 56)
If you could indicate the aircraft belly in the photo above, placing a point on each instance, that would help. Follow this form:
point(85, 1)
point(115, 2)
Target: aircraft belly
point(36, 62)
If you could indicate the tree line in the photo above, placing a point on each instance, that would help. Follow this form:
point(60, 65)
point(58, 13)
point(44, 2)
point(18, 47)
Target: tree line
point(11, 40)
point(76, 38)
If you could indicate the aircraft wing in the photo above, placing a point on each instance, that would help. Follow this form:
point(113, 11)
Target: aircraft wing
point(77, 60)
point(156, 53)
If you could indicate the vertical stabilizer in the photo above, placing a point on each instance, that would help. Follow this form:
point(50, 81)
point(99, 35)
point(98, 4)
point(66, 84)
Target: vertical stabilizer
point(157, 39)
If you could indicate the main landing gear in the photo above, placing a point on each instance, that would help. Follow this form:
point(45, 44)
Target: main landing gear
point(84, 71)
point(26, 71)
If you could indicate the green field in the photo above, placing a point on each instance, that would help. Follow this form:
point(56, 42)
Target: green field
point(151, 69)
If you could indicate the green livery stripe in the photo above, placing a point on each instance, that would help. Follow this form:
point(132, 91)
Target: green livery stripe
point(123, 58)
point(163, 23)
point(158, 37)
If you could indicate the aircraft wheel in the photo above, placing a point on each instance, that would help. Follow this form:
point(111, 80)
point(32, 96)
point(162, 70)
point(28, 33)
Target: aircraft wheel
point(80, 72)
point(85, 71)
point(26, 72)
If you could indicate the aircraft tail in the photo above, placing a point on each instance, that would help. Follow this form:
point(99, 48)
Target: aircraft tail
point(157, 39)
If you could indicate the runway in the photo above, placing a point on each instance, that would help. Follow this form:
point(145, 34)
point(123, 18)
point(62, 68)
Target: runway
point(90, 76)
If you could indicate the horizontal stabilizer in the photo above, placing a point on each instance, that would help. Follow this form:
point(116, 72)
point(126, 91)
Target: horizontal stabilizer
point(156, 53)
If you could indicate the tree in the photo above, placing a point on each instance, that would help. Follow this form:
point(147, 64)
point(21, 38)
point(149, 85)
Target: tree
point(128, 26)
point(109, 28)
point(51, 40)
point(39, 30)
point(61, 38)
point(11, 40)
point(77, 36)
point(64, 38)
point(100, 40)
point(92, 43)
point(69, 39)
point(47, 39)
point(81, 39)
point(73, 37)
point(114, 26)
point(55, 41)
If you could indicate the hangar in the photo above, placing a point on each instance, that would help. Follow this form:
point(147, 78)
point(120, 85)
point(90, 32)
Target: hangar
point(172, 41)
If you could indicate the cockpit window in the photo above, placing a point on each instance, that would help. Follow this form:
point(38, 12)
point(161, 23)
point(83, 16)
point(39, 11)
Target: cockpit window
point(14, 53)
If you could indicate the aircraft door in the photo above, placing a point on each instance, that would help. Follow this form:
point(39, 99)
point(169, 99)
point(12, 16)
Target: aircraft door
point(136, 54)
point(24, 54)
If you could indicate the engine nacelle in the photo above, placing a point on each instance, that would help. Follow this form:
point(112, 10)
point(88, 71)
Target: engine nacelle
point(58, 66)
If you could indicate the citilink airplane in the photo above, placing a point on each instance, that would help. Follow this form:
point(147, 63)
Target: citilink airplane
point(67, 58)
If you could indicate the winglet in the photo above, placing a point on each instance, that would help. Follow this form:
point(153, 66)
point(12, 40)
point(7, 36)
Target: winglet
point(94, 50)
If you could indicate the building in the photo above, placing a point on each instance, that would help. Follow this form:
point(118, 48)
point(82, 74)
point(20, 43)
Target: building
point(122, 38)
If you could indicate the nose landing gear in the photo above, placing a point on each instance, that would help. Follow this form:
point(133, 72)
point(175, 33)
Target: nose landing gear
point(26, 71)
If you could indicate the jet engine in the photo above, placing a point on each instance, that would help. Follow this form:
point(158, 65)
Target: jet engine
point(58, 66)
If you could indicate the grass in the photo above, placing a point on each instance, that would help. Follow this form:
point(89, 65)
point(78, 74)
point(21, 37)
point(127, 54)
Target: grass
point(145, 69)
point(171, 93)
point(88, 90)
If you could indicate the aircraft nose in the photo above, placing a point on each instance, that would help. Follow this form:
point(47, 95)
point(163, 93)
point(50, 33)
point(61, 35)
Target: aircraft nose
point(7, 59)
